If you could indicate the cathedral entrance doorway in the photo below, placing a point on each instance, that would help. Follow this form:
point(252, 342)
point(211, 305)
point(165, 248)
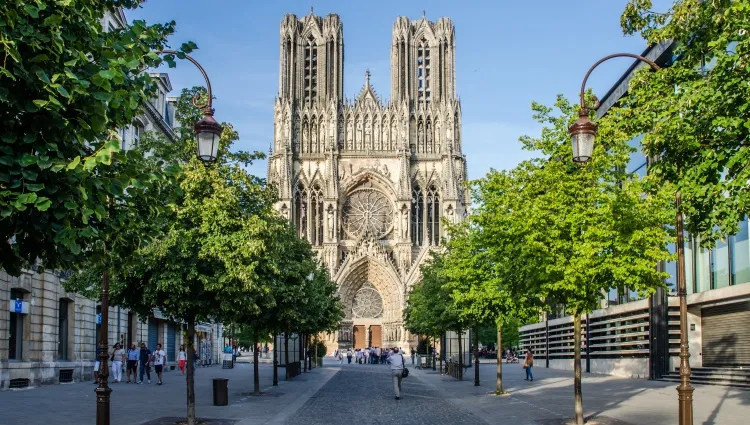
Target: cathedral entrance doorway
point(360, 337)
point(367, 336)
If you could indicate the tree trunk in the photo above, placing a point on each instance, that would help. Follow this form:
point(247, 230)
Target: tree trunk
point(577, 368)
point(460, 359)
point(275, 360)
point(499, 349)
point(476, 357)
point(190, 379)
point(306, 344)
point(286, 355)
point(434, 357)
point(256, 357)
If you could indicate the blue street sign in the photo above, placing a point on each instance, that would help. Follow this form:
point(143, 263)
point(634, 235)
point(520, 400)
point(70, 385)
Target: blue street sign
point(98, 318)
point(19, 306)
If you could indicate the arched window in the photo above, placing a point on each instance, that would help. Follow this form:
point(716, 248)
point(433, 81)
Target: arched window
point(300, 210)
point(433, 216)
point(288, 69)
point(316, 215)
point(423, 71)
point(330, 50)
point(417, 216)
point(311, 70)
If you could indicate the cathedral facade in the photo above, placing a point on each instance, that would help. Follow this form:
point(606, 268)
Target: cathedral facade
point(367, 181)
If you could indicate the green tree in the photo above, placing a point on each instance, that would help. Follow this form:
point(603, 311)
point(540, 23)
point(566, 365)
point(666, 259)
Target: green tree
point(579, 231)
point(483, 289)
point(430, 310)
point(65, 85)
point(694, 114)
point(217, 225)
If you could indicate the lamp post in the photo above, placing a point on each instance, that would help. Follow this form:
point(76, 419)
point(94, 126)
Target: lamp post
point(207, 135)
point(207, 129)
point(582, 137)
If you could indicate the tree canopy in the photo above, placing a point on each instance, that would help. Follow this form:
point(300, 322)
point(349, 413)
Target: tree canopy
point(694, 115)
point(65, 85)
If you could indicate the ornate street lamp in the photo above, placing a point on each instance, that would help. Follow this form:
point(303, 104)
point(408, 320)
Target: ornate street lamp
point(207, 129)
point(583, 131)
point(207, 134)
point(582, 138)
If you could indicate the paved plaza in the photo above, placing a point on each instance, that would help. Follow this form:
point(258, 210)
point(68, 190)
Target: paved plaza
point(362, 394)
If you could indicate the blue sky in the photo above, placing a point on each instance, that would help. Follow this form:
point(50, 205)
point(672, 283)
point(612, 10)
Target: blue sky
point(508, 54)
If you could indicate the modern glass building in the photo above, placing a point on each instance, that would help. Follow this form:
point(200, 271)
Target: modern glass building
point(635, 337)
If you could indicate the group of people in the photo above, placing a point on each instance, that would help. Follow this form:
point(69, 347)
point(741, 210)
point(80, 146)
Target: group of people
point(138, 362)
point(369, 355)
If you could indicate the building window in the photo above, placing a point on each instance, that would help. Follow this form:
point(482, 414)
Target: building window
point(62, 329)
point(720, 265)
point(316, 209)
point(137, 132)
point(15, 339)
point(300, 210)
point(433, 216)
point(423, 71)
point(123, 140)
point(740, 255)
point(311, 70)
point(417, 218)
point(702, 269)
point(689, 264)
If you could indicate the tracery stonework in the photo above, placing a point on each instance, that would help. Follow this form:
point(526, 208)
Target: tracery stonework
point(367, 181)
point(367, 212)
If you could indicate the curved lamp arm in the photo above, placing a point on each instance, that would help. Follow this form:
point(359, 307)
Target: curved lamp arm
point(583, 131)
point(208, 105)
point(651, 63)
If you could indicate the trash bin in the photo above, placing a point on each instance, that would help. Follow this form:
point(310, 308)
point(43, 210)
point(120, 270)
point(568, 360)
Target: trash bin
point(221, 392)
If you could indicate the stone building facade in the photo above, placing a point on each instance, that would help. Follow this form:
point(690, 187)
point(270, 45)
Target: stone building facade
point(368, 181)
point(49, 335)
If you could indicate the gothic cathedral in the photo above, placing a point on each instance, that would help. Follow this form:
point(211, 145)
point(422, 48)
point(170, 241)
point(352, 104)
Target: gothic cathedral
point(366, 181)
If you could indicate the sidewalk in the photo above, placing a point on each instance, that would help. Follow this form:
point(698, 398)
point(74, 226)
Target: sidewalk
point(550, 396)
point(133, 404)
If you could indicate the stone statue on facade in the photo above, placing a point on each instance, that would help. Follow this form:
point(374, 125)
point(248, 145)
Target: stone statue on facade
point(330, 222)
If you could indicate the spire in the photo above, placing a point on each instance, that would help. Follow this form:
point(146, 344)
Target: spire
point(311, 11)
point(367, 79)
point(424, 14)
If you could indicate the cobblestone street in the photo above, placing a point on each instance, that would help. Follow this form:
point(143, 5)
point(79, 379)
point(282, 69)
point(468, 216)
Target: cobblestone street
point(362, 394)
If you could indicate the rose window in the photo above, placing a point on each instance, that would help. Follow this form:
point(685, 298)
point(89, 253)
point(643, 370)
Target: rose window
point(367, 212)
point(367, 302)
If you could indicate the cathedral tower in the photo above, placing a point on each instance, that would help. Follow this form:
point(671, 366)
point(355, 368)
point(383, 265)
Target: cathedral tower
point(367, 181)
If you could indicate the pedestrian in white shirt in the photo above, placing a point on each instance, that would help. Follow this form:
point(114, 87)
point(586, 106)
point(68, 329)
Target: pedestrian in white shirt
point(160, 359)
point(397, 368)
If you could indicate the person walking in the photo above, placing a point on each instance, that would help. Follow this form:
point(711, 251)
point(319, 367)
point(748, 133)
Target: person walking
point(349, 356)
point(144, 358)
point(97, 363)
point(528, 364)
point(397, 369)
point(133, 362)
point(413, 353)
point(182, 359)
point(118, 356)
point(160, 359)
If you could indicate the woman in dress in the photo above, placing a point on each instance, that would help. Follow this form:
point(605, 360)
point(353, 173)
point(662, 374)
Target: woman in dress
point(182, 358)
